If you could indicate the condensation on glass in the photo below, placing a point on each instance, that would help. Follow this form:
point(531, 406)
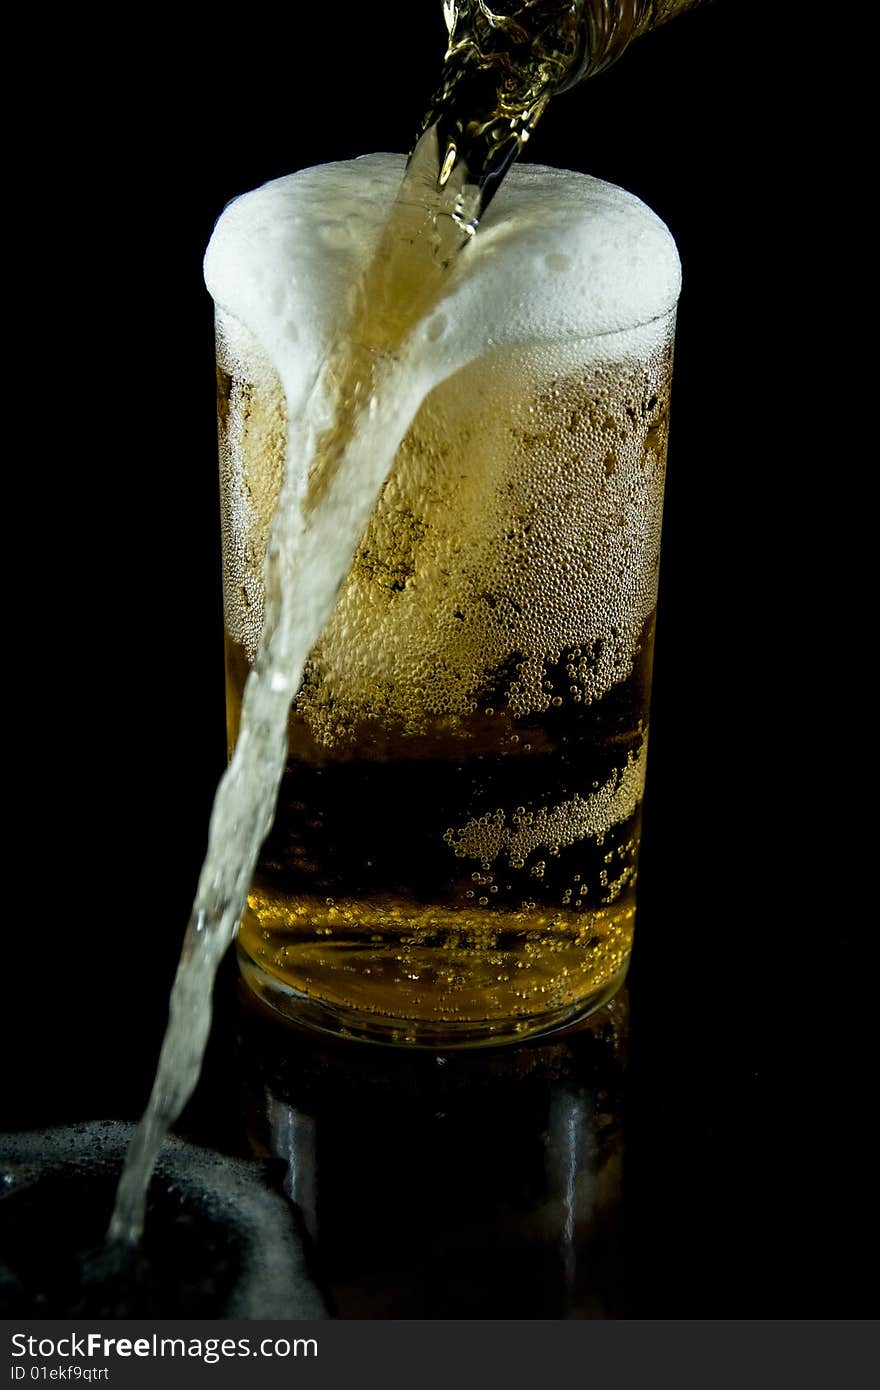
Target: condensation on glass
point(454, 855)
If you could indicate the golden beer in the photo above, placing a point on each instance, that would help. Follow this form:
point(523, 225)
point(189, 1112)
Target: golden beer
point(454, 854)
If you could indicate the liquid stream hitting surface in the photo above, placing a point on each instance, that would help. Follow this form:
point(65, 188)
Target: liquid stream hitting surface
point(318, 523)
point(499, 74)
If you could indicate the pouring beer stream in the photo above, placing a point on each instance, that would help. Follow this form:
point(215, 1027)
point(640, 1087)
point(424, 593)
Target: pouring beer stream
point(503, 65)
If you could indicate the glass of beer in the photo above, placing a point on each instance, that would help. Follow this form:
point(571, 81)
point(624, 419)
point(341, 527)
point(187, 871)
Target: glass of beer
point(453, 860)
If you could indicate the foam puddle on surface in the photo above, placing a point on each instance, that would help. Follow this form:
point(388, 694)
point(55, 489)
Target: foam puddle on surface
point(219, 1242)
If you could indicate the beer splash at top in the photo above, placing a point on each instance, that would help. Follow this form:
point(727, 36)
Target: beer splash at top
point(503, 65)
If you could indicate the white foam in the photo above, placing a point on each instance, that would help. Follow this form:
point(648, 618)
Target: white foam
point(565, 268)
point(559, 255)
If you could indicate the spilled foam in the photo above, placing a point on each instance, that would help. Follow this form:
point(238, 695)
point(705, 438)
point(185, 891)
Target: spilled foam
point(271, 1278)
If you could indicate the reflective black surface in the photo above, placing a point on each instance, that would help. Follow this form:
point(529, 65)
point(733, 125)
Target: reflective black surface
point(695, 1160)
point(465, 1184)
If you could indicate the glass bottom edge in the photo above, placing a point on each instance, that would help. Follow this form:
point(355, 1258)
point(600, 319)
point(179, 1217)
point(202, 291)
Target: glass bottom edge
point(335, 1020)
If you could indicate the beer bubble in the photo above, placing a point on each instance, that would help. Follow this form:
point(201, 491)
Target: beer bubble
point(335, 235)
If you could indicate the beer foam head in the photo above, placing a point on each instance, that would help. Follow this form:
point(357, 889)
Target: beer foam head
point(558, 255)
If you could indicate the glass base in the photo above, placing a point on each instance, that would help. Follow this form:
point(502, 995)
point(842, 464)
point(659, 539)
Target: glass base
point(318, 1015)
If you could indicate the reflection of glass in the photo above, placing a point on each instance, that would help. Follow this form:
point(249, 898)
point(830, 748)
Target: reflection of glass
point(454, 854)
point(476, 1184)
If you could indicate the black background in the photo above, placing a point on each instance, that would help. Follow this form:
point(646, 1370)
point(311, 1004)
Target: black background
point(745, 1064)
